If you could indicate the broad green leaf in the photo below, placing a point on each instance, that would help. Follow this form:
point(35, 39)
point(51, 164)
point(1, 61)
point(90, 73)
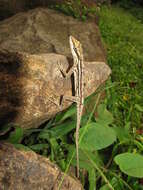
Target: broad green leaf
point(96, 137)
point(85, 119)
point(37, 147)
point(139, 108)
point(130, 164)
point(104, 116)
point(16, 136)
point(83, 161)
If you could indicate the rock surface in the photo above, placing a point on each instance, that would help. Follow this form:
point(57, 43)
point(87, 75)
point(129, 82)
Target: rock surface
point(47, 31)
point(25, 170)
point(31, 86)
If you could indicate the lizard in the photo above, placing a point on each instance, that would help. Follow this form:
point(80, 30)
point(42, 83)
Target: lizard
point(78, 70)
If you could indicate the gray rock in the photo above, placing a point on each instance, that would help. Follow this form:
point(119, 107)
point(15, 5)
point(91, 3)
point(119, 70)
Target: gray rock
point(25, 170)
point(31, 86)
point(47, 31)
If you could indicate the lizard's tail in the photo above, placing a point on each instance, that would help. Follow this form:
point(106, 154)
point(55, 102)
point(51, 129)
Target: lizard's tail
point(79, 114)
point(77, 150)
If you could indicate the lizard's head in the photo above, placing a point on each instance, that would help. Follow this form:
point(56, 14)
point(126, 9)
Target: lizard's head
point(76, 48)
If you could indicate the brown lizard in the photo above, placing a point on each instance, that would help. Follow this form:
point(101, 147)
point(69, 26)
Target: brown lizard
point(77, 70)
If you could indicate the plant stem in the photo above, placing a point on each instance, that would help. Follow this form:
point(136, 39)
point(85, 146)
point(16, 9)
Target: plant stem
point(101, 173)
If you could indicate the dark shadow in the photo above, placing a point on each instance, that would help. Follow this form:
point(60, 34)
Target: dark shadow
point(8, 9)
point(10, 86)
point(5, 14)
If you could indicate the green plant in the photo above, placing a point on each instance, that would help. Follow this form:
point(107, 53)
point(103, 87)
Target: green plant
point(56, 140)
point(77, 9)
point(122, 33)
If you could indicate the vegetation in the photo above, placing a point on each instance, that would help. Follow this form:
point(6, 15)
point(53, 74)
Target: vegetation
point(111, 145)
point(77, 9)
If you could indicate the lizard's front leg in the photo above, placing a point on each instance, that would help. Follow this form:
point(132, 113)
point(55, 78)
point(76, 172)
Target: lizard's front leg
point(67, 75)
point(64, 73)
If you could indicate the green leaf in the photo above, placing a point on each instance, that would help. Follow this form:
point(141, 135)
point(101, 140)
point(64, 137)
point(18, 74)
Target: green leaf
point(22, 147)
point(83, 17)
point(62, 129)
point(16, 136)
point(45, 134)
point(104, 116)
point(54, 144)
point(122, 133)
point(49, 124)
point(55, 148)
point(96, 137)
point(116, 183)
point(84, 162)
point(85, 119)
point(127, 126)
point(92, 179)
point(65, 115)
point(138, 107)
point(130, 164)
point(37, 147)
point(105, 187)
point(28, 132)
point(58, 131)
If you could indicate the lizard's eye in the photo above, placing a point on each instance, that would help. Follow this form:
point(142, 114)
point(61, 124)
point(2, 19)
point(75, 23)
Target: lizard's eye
point(75, 49)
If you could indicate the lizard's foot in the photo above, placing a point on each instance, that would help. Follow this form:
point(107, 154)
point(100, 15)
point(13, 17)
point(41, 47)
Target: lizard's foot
point(57, 103)
point(75, 99)
point(60, 67)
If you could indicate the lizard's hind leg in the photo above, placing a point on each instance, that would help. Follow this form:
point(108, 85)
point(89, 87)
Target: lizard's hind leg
point(75, 99)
